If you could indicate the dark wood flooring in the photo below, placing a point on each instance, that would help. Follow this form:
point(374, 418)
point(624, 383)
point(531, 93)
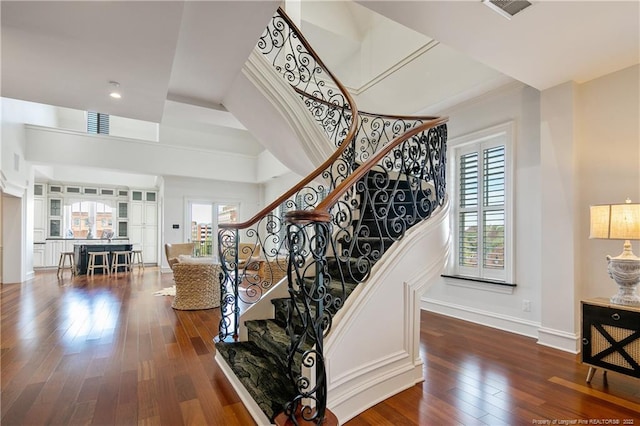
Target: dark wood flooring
point(106, 351)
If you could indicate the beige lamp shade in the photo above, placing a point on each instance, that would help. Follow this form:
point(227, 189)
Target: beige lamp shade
point(615, 221)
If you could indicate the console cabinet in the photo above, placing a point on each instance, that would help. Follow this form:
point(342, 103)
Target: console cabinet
point(610, 337)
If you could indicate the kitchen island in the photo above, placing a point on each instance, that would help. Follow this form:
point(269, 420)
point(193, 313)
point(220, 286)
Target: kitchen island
point(81, 257)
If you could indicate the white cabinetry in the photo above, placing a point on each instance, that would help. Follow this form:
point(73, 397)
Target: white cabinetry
point(143, 224)
point(39, 219)
point(122, 225)
point(55, 217)
point(39, 255)
point(53, 248)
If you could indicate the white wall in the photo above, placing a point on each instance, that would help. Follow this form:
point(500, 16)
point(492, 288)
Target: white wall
point(16, 183)
point(609, 168)
point(577, 145)
point(490, 304)
point(14, 114)
point(274, 188)
point(50, 145)
point(73, 119)
point(245, 101)
point(269, 168)
point(558, 175)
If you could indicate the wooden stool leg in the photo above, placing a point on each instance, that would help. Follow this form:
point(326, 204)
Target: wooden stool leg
point(60, 264)
point(90, 265)
point(72, 264)
point(105, 263)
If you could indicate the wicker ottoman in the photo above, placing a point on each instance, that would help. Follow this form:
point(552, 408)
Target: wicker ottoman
point(197, 286)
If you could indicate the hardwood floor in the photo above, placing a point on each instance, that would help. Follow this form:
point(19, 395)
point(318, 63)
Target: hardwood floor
point(106, 351)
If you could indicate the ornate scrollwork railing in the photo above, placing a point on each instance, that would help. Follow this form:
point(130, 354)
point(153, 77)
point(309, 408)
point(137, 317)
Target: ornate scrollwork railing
point(337, 244)
point(325, 234)
point(253, 254)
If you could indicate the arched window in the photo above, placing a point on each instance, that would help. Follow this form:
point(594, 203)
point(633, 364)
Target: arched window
point(88, 219)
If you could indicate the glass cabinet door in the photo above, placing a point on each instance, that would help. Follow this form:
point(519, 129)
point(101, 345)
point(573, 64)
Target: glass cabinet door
point(123, 229)
point(123, 210)
point(55, 228)
point(55, 207)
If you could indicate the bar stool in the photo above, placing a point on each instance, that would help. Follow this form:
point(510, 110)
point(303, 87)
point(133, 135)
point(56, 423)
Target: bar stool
point(136, 259)
point(92, 265)
point(62, 263)
point(125, 255)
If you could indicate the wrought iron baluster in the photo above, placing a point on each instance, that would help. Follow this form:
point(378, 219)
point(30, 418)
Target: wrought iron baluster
point(229, 308)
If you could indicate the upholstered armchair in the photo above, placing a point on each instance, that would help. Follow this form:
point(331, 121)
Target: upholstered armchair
point(172, 251)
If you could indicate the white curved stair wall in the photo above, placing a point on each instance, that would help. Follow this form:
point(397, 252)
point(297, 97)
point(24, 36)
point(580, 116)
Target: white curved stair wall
point(372, 351)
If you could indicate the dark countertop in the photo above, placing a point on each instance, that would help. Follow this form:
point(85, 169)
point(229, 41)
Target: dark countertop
point(86, 239)
point(102, 243)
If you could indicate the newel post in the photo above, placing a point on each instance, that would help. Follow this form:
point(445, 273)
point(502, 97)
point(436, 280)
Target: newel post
point(308, 237)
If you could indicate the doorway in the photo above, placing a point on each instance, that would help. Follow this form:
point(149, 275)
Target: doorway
point(202, 224)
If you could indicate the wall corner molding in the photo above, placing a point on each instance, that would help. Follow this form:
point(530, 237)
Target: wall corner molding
point(12, 188)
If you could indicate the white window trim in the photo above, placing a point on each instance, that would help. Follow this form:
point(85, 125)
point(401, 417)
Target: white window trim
point(457, 147)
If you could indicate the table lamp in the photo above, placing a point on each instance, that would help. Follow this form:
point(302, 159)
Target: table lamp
point(620, 222)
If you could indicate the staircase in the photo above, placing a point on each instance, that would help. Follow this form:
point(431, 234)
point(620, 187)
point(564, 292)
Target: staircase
point(318, 243)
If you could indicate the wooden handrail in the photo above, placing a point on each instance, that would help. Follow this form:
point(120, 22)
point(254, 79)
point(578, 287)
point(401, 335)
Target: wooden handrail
point(391, 116)
point(350, 135)
point(321, 212)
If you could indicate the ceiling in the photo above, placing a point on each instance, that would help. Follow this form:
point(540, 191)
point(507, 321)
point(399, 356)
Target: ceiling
point(176, 60)
point(546, 44)
point(65, 53)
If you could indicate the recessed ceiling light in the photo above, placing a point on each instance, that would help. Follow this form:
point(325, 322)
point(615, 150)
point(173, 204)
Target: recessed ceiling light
point(115, 93)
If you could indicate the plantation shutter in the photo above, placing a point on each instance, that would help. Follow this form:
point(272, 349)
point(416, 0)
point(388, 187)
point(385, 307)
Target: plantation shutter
point(468, 235)
point(493, 208)
point(481, 212)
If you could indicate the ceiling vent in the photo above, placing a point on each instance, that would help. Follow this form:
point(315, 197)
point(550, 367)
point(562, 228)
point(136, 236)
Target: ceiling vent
point(507, 8)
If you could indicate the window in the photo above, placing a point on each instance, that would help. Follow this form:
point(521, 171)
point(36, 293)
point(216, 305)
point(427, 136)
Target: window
point(88, 219)
point(97, 123)
point(203, 227)
point(482, 199)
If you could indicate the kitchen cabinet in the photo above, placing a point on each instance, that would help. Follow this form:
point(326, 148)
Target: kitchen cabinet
point(143, 224)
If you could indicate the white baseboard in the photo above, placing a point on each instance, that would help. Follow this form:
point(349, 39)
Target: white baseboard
point(349, 404)
point(478, 316)
point(556, 339)
point(254, 409)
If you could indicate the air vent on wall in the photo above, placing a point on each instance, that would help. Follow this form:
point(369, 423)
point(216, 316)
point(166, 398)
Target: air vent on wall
point(507, 8)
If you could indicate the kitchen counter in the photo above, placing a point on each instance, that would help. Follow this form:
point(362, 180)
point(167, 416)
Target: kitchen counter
point(81, 250)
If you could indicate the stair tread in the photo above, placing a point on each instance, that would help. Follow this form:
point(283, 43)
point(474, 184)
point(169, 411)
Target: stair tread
point(262, 375)
point(335, 288)
point(272, 332)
